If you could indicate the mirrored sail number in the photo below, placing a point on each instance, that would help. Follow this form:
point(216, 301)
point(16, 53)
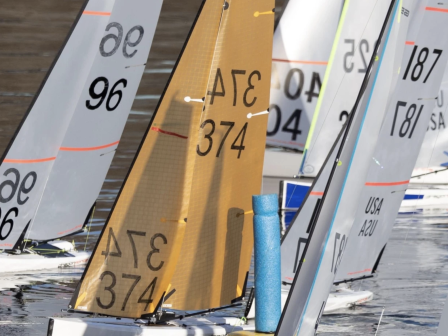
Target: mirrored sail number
point(417, 65)
point(363, 48)
point(209, 126)
point(16, 190)
point(406, 125)
point(109, 278)
point(111, 42)
point(339, 246)
point(248, 96)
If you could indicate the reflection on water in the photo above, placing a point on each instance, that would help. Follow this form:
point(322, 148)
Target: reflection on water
point(413, 278)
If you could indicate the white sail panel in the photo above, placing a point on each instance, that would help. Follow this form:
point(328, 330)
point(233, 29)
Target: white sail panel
point(27, 162)
point(357, 34)
point(98, 121)
point(434, 149)
point(315, 274)
point(300, 227)
point(298, 68)
point(402, 133)
point(443, 324)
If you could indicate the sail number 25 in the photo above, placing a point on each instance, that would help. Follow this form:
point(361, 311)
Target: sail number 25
point(8, 190)
point(110, 278)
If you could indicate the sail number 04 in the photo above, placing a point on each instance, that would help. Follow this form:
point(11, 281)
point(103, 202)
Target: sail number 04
point(8, 190)
point(146, 296)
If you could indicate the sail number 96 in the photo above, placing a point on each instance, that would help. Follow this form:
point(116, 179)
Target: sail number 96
point(8, 190)
point(110, 279)
point(116, 38)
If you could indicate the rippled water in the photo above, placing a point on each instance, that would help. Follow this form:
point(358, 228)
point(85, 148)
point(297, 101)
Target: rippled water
point(413, 279)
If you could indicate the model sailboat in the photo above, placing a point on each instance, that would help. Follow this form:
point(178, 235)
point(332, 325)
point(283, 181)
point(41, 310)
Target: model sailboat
point(324, 250)
point(114, 66)
point(180, 232)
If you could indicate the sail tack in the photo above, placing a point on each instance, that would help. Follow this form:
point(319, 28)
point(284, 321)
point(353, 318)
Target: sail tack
point(98, 121)
point(192, 180)
point(29, 158)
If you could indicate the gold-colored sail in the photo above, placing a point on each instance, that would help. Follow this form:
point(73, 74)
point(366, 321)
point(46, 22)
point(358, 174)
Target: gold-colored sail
point(137, 253)
point(183, 218)
point(218, 240)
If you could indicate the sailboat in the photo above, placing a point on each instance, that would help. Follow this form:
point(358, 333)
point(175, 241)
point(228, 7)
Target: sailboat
point(296, 236)
point(179, 235)
point(61, 202)
point(332, 223)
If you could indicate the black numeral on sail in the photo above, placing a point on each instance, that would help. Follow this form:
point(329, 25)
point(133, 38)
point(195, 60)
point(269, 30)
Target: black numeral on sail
point(299, 257)
point(219, 89)
point(7, 222)
point(337, 253)
point(110, 279)
point(409, 122)
point(238, 143)
point(116, 40)
point(103, 93)
point(418, 68)
point(363, 50)
point(8, 190)
point(291, 125)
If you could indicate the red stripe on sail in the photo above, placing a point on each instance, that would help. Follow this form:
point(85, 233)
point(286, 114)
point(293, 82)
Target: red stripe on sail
point(317, 193)
point(156, 129)
point(434, 9)
point(409, 42)
point(96, 13)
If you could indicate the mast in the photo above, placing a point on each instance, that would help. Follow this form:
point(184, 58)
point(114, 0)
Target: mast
point(95, 129)
point(27, 162)
point(298, 68)
point(192, 179)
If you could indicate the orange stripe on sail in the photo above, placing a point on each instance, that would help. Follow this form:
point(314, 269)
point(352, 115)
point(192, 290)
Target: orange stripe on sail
point(386, 184)
point(409, 42)
point(317, 193)
point(29, 161)
point(434, 9)
point(96, 13)
point(83, 149)
point(156, 129)
point(300, 62)
point(366, 270)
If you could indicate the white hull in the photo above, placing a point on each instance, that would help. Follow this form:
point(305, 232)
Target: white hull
point(427, 197)
point(203, 326)
point(10, 263)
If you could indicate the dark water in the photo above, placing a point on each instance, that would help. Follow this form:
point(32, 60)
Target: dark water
point(413, 279)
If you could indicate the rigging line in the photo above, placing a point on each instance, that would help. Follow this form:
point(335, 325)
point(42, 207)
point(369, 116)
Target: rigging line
point(379, 322)
point(330, 63)
point(430, 173)
point(88, 230)
point(225, 7)
point(387, 22)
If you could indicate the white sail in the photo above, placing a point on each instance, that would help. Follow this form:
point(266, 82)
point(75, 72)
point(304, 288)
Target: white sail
point(434, 151)
point(298, 68)
point(27, 162)
point(331, 224)
point(98, 121)
point(352, 50)
point(391, 169)
point(297, 235)
point(401, 132)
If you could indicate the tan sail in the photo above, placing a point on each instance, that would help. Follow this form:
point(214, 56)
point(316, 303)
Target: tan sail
point(218, 240)
point(183, 218)
point(148, 220)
